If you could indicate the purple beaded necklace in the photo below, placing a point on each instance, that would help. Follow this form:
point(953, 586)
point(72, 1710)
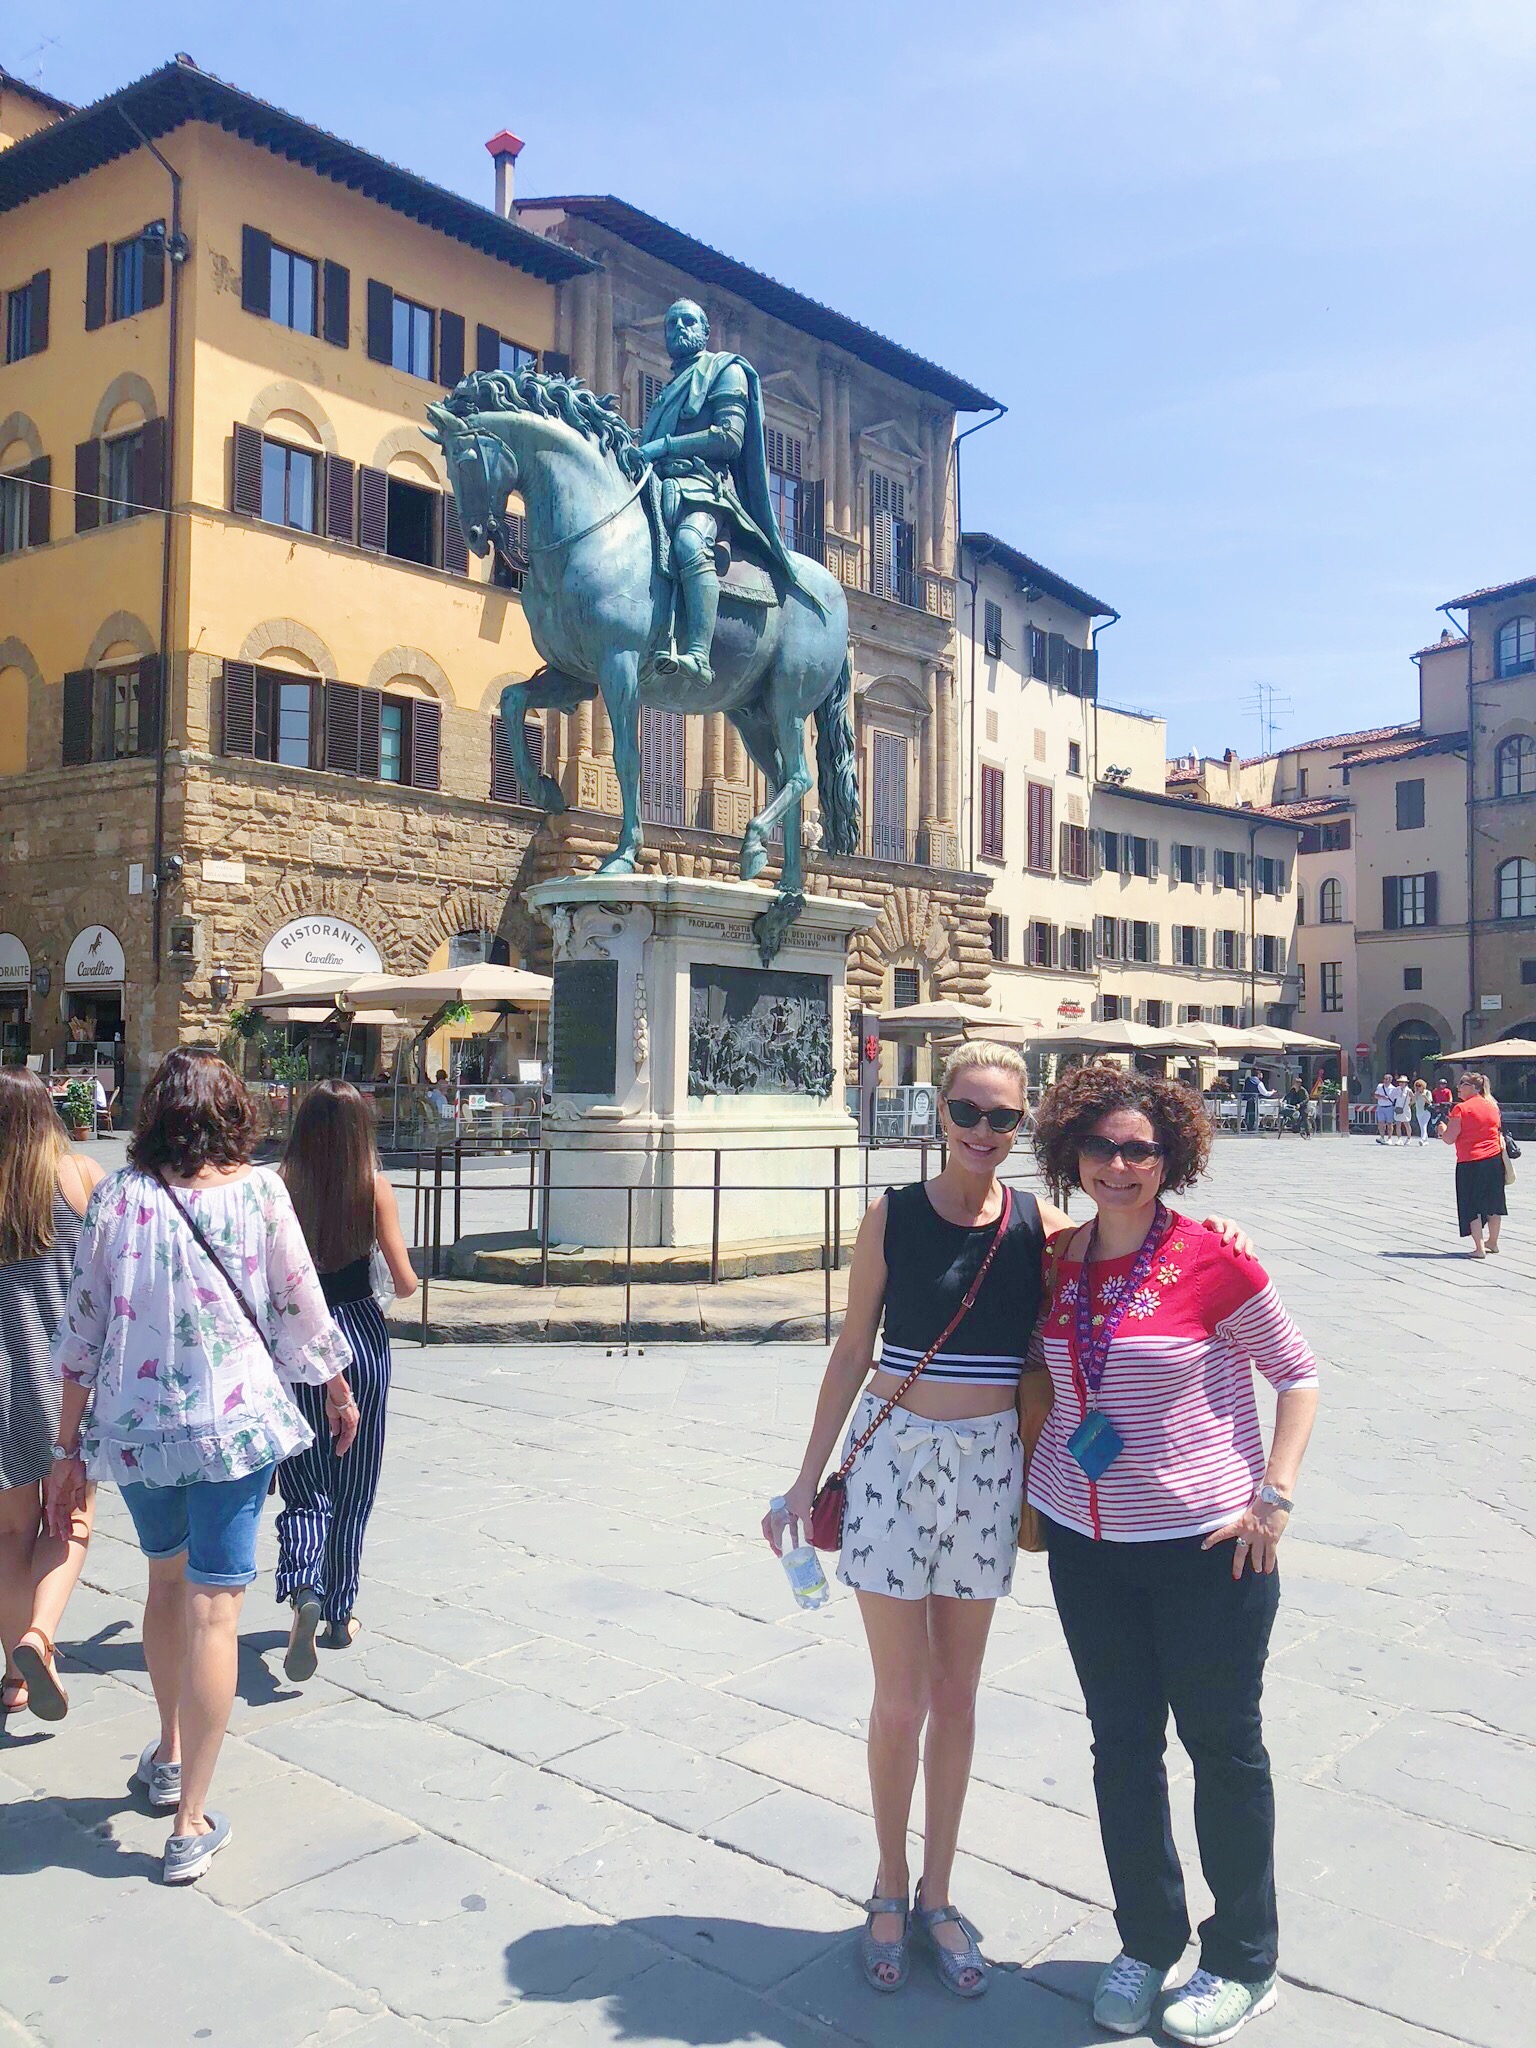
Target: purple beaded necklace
point(1095, 1334)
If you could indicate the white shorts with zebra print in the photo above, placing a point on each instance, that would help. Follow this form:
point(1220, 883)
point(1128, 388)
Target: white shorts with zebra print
point(933, 1507)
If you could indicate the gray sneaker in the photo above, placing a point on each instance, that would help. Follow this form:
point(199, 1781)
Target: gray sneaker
point(1126, 1994)
point(188, 1856)
point(161, 1782)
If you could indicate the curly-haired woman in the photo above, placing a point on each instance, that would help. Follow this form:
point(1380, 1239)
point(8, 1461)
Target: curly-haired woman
point(193, 1301)
point(1162, 1519)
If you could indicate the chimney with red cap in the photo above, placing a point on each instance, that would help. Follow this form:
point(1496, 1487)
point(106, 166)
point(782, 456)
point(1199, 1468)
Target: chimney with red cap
point(505, 150)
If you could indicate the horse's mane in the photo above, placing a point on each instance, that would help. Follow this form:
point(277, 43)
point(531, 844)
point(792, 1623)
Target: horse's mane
point(566, 398)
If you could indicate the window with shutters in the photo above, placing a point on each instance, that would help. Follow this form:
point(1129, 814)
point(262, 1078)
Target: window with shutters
point(137, 268)
point(290, 486)
point(112, 714)
point(509, 553)
point(1330, 980)
point(293, 298)
point(991, 820)
point(1074, 852)
point(1191, 1013)
point(16, 496)
point(1038, 653)
point(1269, 875)
point(892, 569)
point(506, 788)
point(1076, 949)
point(26, 318)
point(786, 463)
point(411, 516)
point(888, 796)
point(1515, 766)
point(1410, 804)
point(992, 629)
point(1074, 758)
point(1107, 937)
point(1186, 945)
point(1113, 1008)
point(1407, 901)
point(410, 346)
point(997, 935)
point(394, 739)
point(1112, 853)
point(513, 357)
point(122, 464)
point(285, 719)
point(1040, 824)
point(1268, 954)
point(1230, 869)
point(1141, 940)
point(1232, 1016)
point(123, 709)
point(1183, 863)
point(1228, 948)
point(1042, 943)
point(1515, 648)
point(1515, 887)
point(663, 790)
point(1156, 1013)
point(1139, 859)
point(647, 390)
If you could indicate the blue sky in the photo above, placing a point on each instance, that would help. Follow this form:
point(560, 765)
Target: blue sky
point(1253, 279)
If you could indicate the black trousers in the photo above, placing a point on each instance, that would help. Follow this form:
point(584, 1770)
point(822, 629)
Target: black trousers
point(1152, 1626)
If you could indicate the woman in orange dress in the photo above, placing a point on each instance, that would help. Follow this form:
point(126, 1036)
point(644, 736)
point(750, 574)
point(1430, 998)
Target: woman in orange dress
point(1475, 1128)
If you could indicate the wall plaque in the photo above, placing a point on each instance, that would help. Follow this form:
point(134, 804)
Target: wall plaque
point(584, 1027)
point(755, 1031)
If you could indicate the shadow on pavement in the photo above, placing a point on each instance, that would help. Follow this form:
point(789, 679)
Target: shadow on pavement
point(70, 1834)
point(113, 1649)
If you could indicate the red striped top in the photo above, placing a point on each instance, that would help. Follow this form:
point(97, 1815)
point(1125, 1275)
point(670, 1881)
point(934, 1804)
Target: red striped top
point(1178, 1388)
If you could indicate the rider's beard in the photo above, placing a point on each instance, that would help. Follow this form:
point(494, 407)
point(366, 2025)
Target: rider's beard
point(688, 346)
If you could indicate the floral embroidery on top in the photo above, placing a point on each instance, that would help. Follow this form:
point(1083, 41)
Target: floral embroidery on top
point(181, 1389)
point(1143, 1303)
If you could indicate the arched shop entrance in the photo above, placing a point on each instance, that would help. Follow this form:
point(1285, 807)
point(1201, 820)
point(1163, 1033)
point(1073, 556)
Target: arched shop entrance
point(15, 1001)
point(1411, 1047)
point(318, 956)
point(93, 1000)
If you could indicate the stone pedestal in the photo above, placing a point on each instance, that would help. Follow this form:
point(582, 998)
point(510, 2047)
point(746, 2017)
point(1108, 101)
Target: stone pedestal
point(670, 1041)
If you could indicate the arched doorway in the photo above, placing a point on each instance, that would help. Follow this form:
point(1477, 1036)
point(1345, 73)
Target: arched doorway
point(1412, 1045)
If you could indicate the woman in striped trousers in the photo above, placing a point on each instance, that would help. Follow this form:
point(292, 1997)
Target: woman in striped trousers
point(346, 1207)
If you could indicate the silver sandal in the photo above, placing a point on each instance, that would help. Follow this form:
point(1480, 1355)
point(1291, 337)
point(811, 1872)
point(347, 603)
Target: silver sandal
point(952, 1964)
point(889, 1955)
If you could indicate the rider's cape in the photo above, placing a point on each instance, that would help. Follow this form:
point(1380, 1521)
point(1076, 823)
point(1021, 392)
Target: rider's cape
point(684, 407)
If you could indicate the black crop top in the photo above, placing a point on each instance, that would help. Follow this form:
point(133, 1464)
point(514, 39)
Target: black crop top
point(353, 1282)
point(930, 1264)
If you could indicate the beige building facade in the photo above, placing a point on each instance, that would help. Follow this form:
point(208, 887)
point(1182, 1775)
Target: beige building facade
point(1110, 898)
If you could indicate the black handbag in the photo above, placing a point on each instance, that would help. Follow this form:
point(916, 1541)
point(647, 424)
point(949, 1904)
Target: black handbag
point(1511, 1149)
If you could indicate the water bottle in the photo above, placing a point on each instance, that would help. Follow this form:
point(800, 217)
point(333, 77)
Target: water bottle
point(802, 1567)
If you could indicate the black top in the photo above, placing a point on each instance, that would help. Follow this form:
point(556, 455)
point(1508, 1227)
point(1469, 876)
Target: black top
point(929, 1266)
point(348, 1283)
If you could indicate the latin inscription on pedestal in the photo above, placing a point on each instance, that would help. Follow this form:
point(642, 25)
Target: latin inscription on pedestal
point(754, 1031)
point(584, 1027)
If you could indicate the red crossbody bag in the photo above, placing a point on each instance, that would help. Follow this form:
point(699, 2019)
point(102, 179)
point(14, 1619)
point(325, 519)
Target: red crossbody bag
point(831, 1502)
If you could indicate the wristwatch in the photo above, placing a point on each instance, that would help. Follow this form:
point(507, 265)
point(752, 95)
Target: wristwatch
point(61, 1456)
point(1272, 1497)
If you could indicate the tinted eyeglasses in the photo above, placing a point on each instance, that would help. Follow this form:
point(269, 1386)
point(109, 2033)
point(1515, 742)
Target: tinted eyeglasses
point(969, 1114)
point(1134, 1151)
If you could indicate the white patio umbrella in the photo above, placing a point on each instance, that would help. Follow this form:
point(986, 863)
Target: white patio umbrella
point(482, 986)
point(1499, 1049)
point(1119, 1034)
point(1216, 1039)
point(947, 1018)
point(1271, 1038)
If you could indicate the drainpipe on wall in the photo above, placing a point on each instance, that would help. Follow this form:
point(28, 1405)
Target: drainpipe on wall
point(176, 251)
point(1472, 1021)
point(970, 751)
point(1253, 926)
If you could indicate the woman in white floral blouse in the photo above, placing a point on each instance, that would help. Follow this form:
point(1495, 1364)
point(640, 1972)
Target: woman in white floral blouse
point(194, 1299)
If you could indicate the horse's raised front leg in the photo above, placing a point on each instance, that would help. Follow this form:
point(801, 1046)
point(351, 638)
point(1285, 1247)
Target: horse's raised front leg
point(794, 781)
point(548, 689)
point(621, 694)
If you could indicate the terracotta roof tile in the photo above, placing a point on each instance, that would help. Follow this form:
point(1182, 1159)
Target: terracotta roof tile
point(1492, 590)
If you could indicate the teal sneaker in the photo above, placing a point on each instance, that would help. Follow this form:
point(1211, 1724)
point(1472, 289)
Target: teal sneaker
point(1210, 2009)
point(1126, 1994)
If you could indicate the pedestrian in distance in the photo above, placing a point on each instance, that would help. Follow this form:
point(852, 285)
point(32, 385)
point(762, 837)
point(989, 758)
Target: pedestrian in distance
point(348, 1213)
point(193, 1305)
point(1255, 1091)
point(1402, 1103)
point(1442, 1102)
point(1475, 1128)
point(1162, 1519)
point(1299, 1104)
point(935, 1493)
point(1386, 1109)
point(44, 1190)
point(1421, 1107)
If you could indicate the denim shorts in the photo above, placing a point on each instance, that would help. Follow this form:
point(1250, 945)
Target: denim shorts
point(213, 1521)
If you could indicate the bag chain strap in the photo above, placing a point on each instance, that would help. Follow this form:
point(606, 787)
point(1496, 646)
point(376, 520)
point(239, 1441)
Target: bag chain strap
point(938, 1343)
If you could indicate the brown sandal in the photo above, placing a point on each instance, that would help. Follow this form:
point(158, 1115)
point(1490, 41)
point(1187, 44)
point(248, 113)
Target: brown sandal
point(13, 1696)
point(45, 1696)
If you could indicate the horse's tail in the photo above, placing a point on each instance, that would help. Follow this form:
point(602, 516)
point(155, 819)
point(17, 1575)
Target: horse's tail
point(837, 765)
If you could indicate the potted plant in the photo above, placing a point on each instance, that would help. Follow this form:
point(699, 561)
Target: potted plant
point(79, 1108)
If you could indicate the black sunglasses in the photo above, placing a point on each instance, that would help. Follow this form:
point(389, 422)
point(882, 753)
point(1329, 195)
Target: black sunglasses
point(1134, 1151)
point(969, 1114)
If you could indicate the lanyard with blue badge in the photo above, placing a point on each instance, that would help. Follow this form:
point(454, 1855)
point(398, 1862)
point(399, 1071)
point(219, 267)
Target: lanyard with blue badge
point(1096, 1443)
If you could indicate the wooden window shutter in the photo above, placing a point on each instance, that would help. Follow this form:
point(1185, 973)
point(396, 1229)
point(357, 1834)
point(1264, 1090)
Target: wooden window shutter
point(812, 515)
point(40, 502)
point(336, 298)
point(154, 272)
point(1055, 657)
point(450, 347)
point(79, 706)
point(487, 348)
point(505, 788)
point(239, 707)
point(340, 498)
point(245, 495)
point(1090, 671)
point(555, 362)
point(372, 508)
point(87, 486)
point(1391, 903)
point(96, 286)
point(454, 548)
point(992, 629)
point(1074, 669)
point(40, 285)
point(343, 727)
point(381, 322)
point(369, 709)
point(256, 271)
point(1432, 899)
point(151, 703)
point(150, 482)
point(426, 744)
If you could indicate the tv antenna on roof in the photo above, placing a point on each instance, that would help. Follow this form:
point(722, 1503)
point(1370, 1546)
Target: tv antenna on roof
point(1269, 707)
point(34, 77)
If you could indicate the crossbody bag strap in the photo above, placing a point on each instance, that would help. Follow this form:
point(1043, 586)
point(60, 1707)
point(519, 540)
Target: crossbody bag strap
point(219, 1266)
point(938, 1343)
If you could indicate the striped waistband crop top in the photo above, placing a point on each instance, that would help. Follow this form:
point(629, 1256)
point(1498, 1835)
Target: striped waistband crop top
point(929, 1266)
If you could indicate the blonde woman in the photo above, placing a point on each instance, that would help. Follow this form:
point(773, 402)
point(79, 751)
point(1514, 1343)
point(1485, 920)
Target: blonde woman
point(951, 1267)
point(44, 1189)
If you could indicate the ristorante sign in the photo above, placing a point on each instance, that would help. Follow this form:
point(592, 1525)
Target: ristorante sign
point(95, 960)
point(15, 962)
point(313, 945)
